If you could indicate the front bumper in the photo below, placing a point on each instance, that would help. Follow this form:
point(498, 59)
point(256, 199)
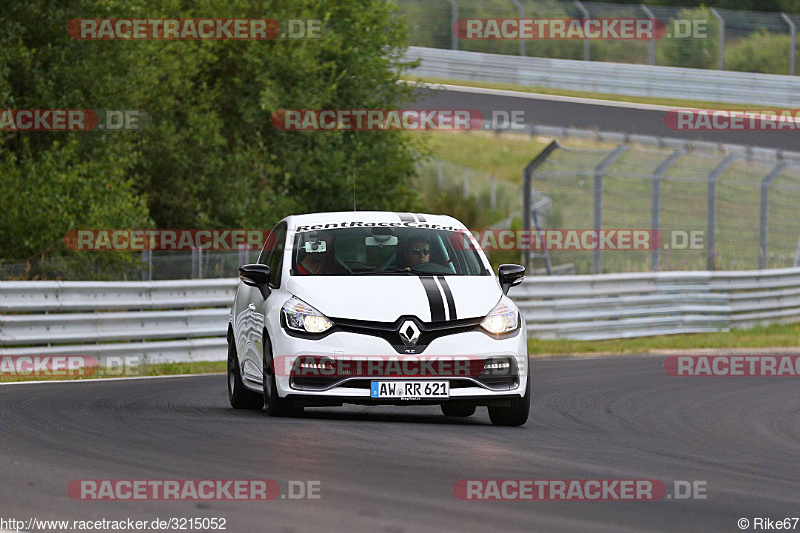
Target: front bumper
point(348, 345)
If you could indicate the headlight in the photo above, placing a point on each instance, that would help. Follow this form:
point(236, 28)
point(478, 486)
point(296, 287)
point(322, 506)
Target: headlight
point(299, 316)
point(502, 319)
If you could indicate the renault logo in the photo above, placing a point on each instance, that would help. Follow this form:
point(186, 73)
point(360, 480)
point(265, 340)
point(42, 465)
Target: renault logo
point(409, 333)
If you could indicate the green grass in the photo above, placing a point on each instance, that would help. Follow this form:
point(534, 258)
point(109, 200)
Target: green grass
point(164, 369)
point(671, 102)
point(772, 336)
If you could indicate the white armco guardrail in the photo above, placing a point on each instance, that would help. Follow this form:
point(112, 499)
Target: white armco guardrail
point(169, 321)
point(610, 306)
point(616, 78)
point(164, 321)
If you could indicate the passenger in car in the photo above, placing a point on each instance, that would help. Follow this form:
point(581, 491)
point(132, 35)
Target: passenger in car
point(316, 256)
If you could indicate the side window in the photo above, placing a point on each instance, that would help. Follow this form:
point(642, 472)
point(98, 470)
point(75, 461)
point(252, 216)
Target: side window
point(272, 254)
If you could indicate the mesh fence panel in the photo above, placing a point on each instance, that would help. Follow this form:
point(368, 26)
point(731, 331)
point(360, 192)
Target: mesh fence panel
point(567, 177)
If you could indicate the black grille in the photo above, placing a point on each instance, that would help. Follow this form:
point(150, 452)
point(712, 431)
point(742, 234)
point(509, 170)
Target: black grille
point(390, 331)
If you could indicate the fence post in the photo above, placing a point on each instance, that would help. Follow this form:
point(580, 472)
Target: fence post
point(585, 40)
point(651, 47)
point(453, 20)
point(764, 213)
point(244, 254)
point(712, 209)
point(465, 185)
point(521, 11)
point(655, 210)
point(721, 56)
point(793, 32)
point(527, 180)
point(599, 170)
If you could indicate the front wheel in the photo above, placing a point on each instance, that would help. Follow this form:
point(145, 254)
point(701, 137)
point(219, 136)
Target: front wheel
point(240, 396)
point(276, 406)
point(516, 414)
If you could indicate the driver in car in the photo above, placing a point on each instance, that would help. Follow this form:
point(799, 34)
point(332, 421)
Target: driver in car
point(416, 251)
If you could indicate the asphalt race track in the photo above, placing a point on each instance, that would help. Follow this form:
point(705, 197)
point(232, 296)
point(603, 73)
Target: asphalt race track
point(635, 120)
point(392, 469)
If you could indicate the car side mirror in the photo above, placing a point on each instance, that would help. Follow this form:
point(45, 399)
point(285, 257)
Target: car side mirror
point(256, 275)
point(510, 275)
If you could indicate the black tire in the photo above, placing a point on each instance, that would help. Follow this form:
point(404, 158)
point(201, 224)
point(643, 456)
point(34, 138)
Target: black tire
point(516, 414)
point(240, 396)
point(276, 406)
point(458, 409)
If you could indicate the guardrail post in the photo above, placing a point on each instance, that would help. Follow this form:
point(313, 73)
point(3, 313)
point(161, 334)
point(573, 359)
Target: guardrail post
point(764, 213)
point(721, 56)
point(599, 170)
point(527, 181)
point(493, 193)
point(585, 40)
point(521, 11)
point(793, 32)
point(147, 265)
point(655, 211)
point(651, 47)
point(712, 210)
point(465, 184)
point(440, 175)
point(453, 20)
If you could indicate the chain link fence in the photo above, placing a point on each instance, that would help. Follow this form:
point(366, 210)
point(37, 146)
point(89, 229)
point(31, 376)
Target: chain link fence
point(748, 41)
point(713, 211)
point(126, 266)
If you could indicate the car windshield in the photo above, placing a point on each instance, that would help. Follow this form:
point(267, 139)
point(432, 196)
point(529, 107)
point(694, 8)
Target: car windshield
point(385, 251)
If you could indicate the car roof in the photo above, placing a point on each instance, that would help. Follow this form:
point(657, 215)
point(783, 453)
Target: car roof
point(342, 218)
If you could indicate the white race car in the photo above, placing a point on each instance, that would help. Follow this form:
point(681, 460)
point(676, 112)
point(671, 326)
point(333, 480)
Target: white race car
point(377, 308)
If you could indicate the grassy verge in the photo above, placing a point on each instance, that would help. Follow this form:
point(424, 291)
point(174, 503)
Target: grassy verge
point(671, 102)
point(165, 369)
point(773, 336)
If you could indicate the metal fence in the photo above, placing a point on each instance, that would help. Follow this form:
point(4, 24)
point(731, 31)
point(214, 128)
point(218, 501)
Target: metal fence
point(728, 39)
point(616, 78)
point(128, 266)
point(158, 321)
point(635, 305)
point(713, 211)
point(176, 321)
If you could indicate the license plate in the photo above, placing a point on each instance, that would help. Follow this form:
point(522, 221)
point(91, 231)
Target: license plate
point(410, 389)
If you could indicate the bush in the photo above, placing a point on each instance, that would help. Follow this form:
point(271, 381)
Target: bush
point(760, 52)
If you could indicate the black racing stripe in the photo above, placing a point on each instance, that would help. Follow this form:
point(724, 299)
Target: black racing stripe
point(406, 217)
point(420, 217)
point(434, 298)
point(451, 303)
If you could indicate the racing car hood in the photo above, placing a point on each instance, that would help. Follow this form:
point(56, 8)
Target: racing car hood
point(387, 298)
